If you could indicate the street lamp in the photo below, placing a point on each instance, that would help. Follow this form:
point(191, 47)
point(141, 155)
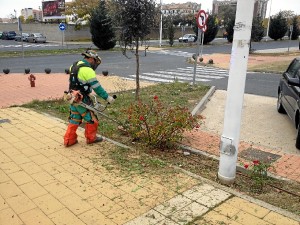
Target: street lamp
point(160, 29)
point(269, 21)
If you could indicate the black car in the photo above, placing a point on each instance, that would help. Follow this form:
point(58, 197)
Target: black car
point(289, 95)
point(8, 35)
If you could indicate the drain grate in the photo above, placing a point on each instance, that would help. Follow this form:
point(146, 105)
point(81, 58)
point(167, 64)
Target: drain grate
point(256, 154)
point(4, 121)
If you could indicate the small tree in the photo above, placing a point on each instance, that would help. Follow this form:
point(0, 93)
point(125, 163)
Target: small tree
point(171, 30)
point(296, 31)
point(229, 27)
point(101, 28)
point(137, 19)
point(257, 32)
point(278, 26)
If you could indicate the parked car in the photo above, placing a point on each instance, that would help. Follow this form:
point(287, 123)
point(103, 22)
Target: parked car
point(0, 34)
point(24, 37)
point(289, 95)
point(36, 37)
point(8, 35)
point(188, 38)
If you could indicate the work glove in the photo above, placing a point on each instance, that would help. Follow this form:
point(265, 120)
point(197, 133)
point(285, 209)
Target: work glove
point(111, 99)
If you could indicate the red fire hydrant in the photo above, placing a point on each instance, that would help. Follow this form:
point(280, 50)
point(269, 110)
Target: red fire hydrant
point(32, 78)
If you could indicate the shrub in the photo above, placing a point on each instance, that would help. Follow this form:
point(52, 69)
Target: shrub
point(258, 172)
point(157, 125)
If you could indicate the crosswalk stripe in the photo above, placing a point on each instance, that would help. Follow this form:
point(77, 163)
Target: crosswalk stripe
point(168, 80)
point(183, 75)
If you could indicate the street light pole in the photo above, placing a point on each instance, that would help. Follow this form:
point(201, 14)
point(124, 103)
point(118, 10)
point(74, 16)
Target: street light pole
point(269, 21)
point(160, 30)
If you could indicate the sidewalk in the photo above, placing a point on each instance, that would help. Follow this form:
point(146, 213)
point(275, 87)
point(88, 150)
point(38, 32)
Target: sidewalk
point(42, 182)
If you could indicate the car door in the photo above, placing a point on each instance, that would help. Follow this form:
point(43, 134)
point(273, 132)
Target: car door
point(290, 92)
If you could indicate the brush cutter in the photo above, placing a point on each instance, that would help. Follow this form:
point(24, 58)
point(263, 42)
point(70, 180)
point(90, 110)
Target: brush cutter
point(75, 97)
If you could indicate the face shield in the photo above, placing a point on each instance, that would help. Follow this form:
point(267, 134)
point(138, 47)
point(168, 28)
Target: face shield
point(96, 59)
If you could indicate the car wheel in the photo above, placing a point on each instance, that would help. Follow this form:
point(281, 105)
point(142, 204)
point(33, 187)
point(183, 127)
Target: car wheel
point(185, 41)
point(298, 137)
point(280, 108)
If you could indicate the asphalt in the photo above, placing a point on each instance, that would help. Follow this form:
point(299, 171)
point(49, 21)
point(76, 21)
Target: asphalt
point(42, 182)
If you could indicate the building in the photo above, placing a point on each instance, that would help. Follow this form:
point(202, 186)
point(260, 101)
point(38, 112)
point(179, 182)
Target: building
point(37, 15)
point(260, 6)
point(181, 9)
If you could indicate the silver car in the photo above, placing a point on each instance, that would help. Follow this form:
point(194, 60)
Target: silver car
point(24, 37)
point(36, 37)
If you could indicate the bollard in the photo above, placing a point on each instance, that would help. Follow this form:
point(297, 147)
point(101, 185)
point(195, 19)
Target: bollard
point(32, 79)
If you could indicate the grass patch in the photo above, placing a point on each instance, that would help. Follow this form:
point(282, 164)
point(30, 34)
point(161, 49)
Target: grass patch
point(172, 94)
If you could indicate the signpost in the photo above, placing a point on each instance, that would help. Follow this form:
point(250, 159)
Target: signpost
point(62, 27)
point(202, 27)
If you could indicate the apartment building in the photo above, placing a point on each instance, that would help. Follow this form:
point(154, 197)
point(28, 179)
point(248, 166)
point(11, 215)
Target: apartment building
point(37, 15)
point(181, 9)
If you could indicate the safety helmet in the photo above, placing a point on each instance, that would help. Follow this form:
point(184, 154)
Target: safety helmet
point(92, 54)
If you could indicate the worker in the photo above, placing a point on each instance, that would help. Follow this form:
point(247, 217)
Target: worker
point(81, 83)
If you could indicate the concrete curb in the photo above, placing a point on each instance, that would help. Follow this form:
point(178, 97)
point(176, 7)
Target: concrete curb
point(203, 101)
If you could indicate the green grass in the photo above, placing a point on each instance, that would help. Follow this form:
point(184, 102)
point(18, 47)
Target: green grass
point(173, 94)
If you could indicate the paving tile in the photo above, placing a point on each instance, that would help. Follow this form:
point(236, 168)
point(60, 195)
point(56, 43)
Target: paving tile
point(65, 217)
point(3, 204)
point(58, 190)
point(20, 177)
point(33, 189)
point(76, 204)
point(227, 210)
point(198, 191)
point(4, 158)
point(248, 207)
point(277, 219)
point(213, 198)
point(214, 218)
point(104, 204)
point(52, 168)
point(9, 217)
point(43, 178)
point(48, 204)
point(248, 219)
point(20, 203)
point(28, 151)
point(9, 189)
point(109, 190)
point(83, 190)
point(66, 178)
point(40, 159)
point(30, 168)
point(73, 168)
point(120, 217)
point(173, 205)
point(149, 218)
point(93, 216)
point(189, 212)
point(35, 217)
point(10, 167)
point(59, 159)
point(20, 159)
point(131, 204)
point(3, 177)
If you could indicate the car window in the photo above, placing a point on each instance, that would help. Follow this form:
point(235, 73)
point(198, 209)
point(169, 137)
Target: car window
point(294, 68)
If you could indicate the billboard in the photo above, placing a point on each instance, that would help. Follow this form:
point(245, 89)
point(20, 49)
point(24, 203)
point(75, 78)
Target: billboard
point(54, 9)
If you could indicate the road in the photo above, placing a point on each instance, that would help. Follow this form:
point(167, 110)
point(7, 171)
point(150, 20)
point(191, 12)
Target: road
point(157, 66)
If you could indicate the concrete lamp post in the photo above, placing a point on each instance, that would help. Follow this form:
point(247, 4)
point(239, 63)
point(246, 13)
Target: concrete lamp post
point(235, 91)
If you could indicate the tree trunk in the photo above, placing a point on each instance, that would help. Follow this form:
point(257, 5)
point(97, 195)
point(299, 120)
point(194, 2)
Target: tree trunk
point(137, 79)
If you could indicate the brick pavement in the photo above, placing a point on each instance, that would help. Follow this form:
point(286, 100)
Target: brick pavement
point(42, 182)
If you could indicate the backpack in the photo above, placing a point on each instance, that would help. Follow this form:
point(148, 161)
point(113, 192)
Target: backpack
point(74, 83)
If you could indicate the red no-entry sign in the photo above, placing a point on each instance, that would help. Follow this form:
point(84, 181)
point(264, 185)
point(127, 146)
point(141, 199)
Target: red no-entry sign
point(201, 20)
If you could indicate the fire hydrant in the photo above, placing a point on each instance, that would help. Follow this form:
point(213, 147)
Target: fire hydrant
point(32, 78)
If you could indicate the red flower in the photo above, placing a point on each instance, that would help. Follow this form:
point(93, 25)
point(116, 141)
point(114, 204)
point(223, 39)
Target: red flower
point(155, 97)
point(142, 118)
point(255, 162)
point(246, 166)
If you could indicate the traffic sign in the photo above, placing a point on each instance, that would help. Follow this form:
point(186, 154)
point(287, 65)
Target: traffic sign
point(201, 18)
point(62, 26)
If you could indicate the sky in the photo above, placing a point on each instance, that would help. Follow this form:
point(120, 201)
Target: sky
point(7, 7)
